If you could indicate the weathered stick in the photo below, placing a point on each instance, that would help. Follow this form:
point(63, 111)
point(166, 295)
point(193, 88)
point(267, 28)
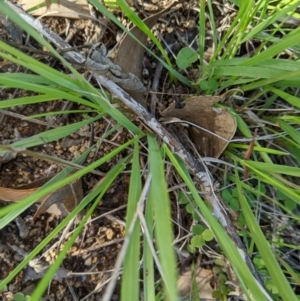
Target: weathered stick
point(196, 168)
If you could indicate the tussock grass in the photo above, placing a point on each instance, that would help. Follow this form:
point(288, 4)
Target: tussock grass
point(266, 81)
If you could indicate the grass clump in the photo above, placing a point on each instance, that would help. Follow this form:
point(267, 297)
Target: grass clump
point(255, 61)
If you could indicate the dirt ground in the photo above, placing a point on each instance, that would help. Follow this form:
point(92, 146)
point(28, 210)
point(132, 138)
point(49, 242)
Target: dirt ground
point(87, 266)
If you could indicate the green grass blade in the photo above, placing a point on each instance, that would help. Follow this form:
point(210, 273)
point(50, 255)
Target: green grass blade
point(12, 15)
point(295, 135)
point(270, 20)
point(243, 127)
point(287, 41)
point(49, 91)
point(26, 61)
point(202, 28)
point(240, 21)
point(162, 213)
point(248, 71)
point(109, 15)
point(225, 242)
point(263, 246)
point(100, 189)
point(286, 77)
point(258, 149)
point(51, 135)
point(26, 100)
point(148, 266)
point(30, 78)
point(130, 278)
point(42, 192)
point(82, 86)
point(273, 168)
point(143, 27)
point(213, 24)
point(271, 180)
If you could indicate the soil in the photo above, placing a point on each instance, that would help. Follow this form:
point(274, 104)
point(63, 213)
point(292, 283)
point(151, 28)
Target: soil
point(87, 266)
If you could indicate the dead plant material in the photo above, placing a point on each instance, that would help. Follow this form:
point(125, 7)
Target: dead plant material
point(129, 46)
point(60, 202)
point(63, 8)
point(211, 128)
point(249, 153)
point(202, 278)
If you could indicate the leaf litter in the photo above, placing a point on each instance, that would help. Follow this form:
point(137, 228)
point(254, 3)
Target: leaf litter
point(211, 128)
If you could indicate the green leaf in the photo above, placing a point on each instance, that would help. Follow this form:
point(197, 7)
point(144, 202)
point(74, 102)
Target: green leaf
point(189, 208)
point(271, 286)
point(197, 229)
point(183, 198)
point(204, 85)
point(209, 85)
point(191, 249)
point(186, 57)
point(208, 235)
point(234, 204)
point(226, 195)
point(288, 202)
point(197, 241)
point(19, 297)
point(213, 84)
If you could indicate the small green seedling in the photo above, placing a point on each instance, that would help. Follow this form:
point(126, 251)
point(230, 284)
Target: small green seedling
point(201, 237)
point(186, 57)
point(208, 86)
point(112, 4)
point(230, 197)
point(223, 289)
point(189, 203)
point(21, 297)
point(288, 202)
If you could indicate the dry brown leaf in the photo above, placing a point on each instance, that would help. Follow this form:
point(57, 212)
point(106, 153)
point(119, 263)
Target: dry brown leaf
point(130, 53)
point(65, 8)
point(21, 192)
point(202, 278)
point(60, 202)
point(217, 125)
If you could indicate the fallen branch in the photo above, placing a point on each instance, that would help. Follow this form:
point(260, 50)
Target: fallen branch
point(199, 170)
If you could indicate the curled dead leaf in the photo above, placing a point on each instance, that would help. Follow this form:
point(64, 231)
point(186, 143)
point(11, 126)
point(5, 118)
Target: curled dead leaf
point(130, 53)
point(213, 127)
point(60, 202)
point(202, 278)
